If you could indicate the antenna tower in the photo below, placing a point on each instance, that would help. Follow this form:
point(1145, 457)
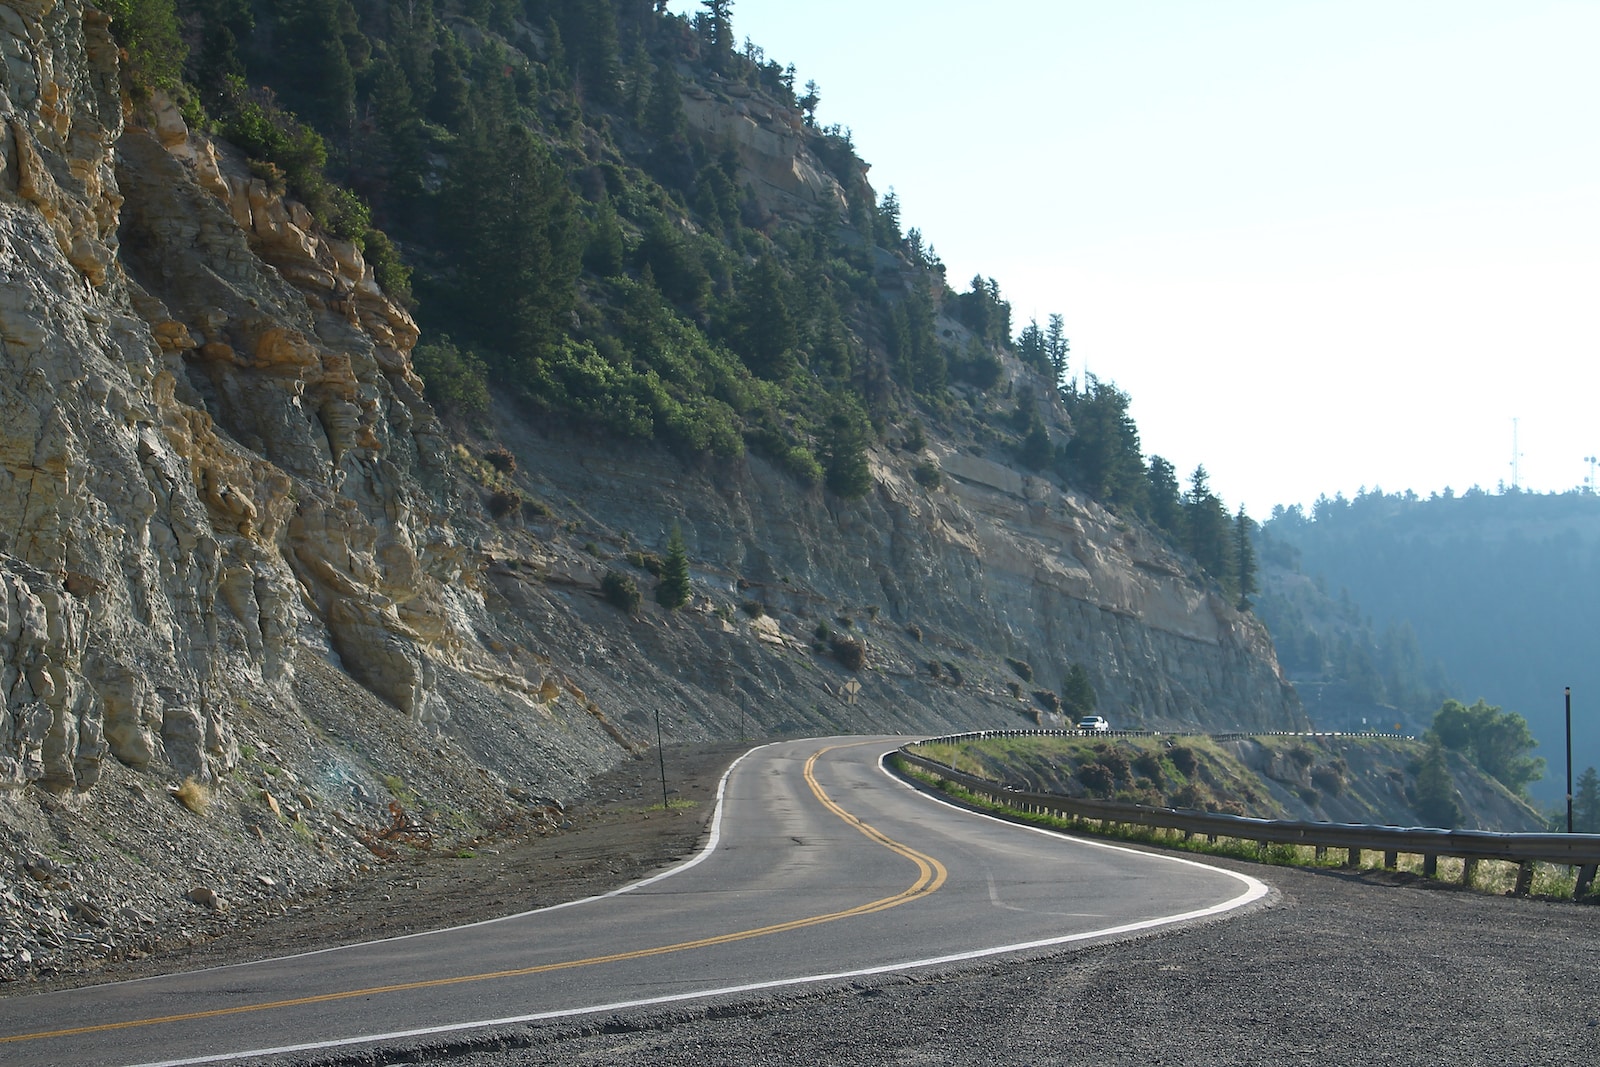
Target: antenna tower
point(1588, 483)
point(1516, 460)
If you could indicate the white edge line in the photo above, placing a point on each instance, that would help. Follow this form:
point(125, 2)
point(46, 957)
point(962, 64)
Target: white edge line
point(1254, 890)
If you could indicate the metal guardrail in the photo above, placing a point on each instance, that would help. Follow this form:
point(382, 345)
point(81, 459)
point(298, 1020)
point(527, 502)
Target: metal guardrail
point(1234, 735)
point(1471, 846)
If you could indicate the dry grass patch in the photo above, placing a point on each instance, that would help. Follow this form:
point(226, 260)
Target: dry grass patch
point(192, 795)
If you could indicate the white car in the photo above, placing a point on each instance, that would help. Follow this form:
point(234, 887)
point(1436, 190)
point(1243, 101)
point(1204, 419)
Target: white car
point(1093, 724)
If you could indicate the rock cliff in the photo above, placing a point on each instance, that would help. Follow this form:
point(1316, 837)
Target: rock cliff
point(258, 620)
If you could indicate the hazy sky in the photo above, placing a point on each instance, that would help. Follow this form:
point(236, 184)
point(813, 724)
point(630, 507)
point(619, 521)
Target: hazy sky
point(1323, 245)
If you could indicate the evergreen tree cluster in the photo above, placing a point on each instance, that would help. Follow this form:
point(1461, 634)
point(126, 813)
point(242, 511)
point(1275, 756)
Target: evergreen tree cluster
point(1498, 742)
point(525, 174)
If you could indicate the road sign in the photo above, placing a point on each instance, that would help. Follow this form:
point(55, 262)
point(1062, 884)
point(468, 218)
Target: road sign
point(852, 689)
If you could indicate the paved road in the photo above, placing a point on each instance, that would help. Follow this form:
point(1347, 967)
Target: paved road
point(821, 866)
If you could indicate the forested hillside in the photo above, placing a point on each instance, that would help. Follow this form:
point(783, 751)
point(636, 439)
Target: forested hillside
point(593, 208)
point(1479, 595)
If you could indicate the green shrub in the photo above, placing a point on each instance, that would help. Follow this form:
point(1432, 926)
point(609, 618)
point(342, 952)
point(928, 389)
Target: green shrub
point(849, 651)
point(1328, 780)
point(1097, 779)
point(621, 591)
point(754, 608)
point(149, 30)
point(1116, 761)
point(1184, 759)
point(927, 475)
point(646, 561)
point(1149, 765)
point(455, 381)
point(504, 502)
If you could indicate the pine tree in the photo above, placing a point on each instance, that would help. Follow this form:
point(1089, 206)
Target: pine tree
point(1166, 501)
point(1435, 802)
point(717, 24)
point(672, 592)
point(809, 102)
point(1206, 527)
point(1586, 803)
point(844, 449)
point(763, 329)
point(1056, 348)
point(664, 117)
point(1077, 693)
point(520, 245)
point(1036, 452)
point(1244, 558)
point(1030, 346)
point(889, 220)
point(321, 83)
point(450, 105)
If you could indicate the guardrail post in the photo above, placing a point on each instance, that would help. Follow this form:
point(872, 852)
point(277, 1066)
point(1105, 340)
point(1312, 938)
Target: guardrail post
point(1352, 857)
point(1430, 865)
point(1391, 860)
point(1586, 875)
point(1524, 880)
point(1322, 853)
point(1469, 869)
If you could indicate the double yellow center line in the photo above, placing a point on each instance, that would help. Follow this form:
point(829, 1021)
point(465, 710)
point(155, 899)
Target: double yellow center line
point(931, 874)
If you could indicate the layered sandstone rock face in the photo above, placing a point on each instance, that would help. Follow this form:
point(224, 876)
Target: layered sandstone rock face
point(211, 436)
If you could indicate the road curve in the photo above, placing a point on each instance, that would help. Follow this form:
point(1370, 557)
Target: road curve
point(820, 867)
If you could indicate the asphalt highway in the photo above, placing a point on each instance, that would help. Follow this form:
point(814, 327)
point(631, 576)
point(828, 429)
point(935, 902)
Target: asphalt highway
point(820, 866)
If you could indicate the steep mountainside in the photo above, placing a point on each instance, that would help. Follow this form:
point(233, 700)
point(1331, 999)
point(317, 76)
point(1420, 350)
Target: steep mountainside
point(1500, 589)
point(266, 617)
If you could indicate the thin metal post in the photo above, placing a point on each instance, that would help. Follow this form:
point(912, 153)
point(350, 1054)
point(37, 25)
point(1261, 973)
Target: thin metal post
point(1569, 759)
point(661, 754)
